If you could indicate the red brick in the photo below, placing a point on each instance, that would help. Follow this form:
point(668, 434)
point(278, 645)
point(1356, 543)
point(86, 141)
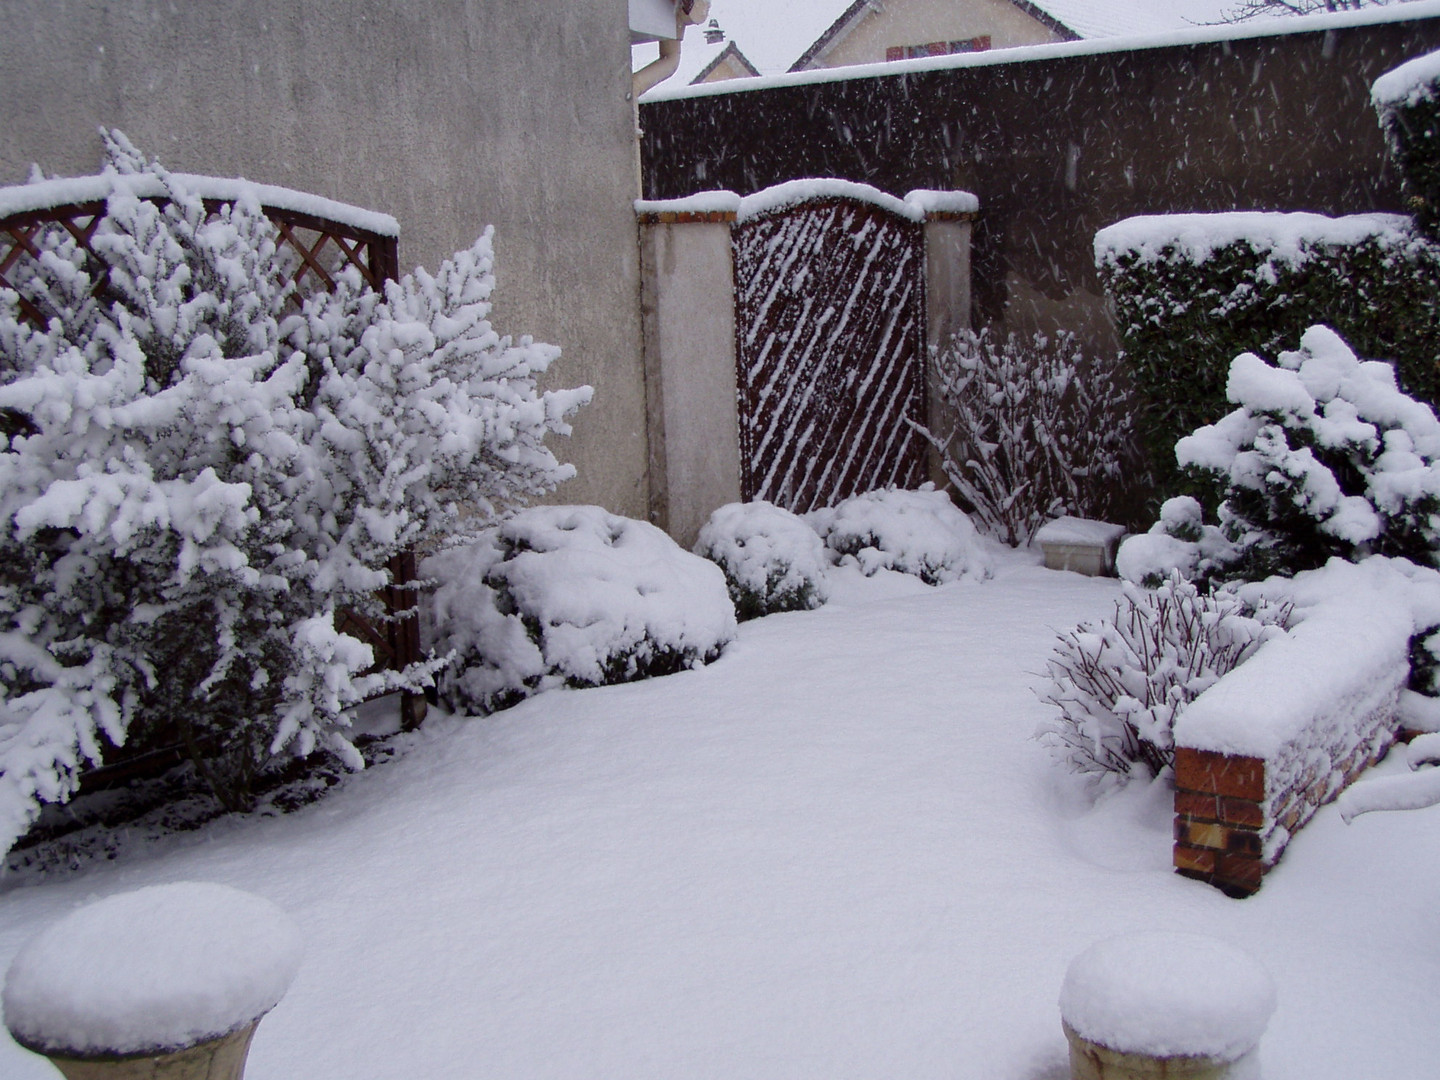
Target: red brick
point(1202, 834)
point(1244, 842)
point(1242, 872)
point(1220, 774)
point(1194, 861)
point(1241, 812)
point(1192, 804)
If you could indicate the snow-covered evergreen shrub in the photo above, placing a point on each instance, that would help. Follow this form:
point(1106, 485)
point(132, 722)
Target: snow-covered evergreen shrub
point(1034, 430)
point(1407, 100)
point(1180, 542)
point(571, 596)
point(1191, 291)
point(1119, 683)
point(913, 532)
point(1324, 457)
point(194, 479)
point(773, 561)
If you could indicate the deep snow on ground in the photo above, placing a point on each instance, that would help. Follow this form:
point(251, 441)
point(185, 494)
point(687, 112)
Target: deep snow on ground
point(837, 852)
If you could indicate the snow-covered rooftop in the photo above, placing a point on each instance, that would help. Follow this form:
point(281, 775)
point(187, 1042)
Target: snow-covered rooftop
point(774, 36)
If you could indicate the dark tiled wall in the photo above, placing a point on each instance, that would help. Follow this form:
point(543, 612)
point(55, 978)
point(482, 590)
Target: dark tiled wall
point(1059, 148)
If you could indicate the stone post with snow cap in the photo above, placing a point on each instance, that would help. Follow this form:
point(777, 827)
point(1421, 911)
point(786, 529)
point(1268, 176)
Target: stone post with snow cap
point(164, 983)
point(1165, 1006)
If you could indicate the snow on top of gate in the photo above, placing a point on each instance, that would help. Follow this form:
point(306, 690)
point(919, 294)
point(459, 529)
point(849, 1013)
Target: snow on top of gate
point(914, 206)
point(66, 191)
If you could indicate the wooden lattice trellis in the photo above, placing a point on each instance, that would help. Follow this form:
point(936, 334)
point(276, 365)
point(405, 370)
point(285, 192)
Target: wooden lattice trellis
point(309, 247)
point(312, 251)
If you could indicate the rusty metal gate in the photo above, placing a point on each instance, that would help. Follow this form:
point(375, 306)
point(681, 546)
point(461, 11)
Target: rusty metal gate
point(830, 326)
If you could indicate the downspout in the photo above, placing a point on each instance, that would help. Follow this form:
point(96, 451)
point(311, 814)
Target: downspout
point(687, 13)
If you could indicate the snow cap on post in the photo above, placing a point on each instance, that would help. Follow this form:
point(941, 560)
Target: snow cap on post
point(1168, 994)
point(152, 970)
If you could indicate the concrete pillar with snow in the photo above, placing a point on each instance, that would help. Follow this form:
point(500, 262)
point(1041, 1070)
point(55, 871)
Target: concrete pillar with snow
point(687, 269)
point(165, 982)
point(1161, 1005)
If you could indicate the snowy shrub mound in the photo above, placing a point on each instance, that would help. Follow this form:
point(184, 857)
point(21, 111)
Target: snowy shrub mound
point(1034, 430)
point(1169, 994)
point(1179, 543)
point(571, 596)
point(913, 532)
point(151, 970)
point(195, 478)
point(1324, 457)
point(1119, 683)
point(772, 560)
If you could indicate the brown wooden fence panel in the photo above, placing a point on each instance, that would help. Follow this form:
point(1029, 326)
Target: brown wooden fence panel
point(830, 352)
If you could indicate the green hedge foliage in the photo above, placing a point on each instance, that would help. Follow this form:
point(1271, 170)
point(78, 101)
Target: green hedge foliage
point(1184, 313)
point(1412, 132)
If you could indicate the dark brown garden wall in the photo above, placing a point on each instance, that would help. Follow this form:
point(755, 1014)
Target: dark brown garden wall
point(1059, 147)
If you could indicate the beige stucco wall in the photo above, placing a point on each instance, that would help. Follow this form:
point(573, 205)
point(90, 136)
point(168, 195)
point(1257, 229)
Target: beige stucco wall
point(919, 22)
point(450, 115)
point(689, 310)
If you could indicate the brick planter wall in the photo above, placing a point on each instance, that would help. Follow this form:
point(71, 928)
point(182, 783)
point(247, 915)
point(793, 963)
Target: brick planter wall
point(1288, 730)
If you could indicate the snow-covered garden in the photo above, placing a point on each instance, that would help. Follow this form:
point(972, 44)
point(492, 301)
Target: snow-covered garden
point(836, 851)
point(842, 794)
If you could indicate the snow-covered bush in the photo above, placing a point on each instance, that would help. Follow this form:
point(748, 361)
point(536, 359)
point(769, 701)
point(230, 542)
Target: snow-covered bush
point(1323, 457)
point(1192, 291)
point(1120, 682)
point(1180, 542)
point(571, 596)
point(194, 479)
point(912, 532)
point(1033, 430)
point(1407, 100)
point(772, 560)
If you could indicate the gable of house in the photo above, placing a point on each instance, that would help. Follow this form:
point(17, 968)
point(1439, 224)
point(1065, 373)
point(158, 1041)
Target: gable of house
point(730, 63)
point(869, 32)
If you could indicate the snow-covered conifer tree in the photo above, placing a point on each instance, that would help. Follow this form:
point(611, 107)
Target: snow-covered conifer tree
point(194, 479)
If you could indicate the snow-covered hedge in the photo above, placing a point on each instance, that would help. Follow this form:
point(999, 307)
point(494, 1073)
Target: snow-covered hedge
point(1323, 457)
point(194, 479)
point(773, 561)
point(571, 596)
point(1119, 683)
point(1408, 102)
point(913, 532)
point(1031, 430)
point(1192, 291)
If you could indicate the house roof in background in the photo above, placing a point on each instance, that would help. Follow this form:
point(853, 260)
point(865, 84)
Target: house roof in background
point(773, 37)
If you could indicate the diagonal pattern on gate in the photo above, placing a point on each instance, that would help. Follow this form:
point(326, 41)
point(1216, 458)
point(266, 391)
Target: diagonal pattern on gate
point(830, 327)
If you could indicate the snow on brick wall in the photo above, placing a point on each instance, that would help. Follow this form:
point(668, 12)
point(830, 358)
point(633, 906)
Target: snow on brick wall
point(1260, 751)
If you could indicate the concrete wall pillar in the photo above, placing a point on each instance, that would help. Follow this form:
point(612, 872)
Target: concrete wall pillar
point(949, 227)
point(688, 318)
